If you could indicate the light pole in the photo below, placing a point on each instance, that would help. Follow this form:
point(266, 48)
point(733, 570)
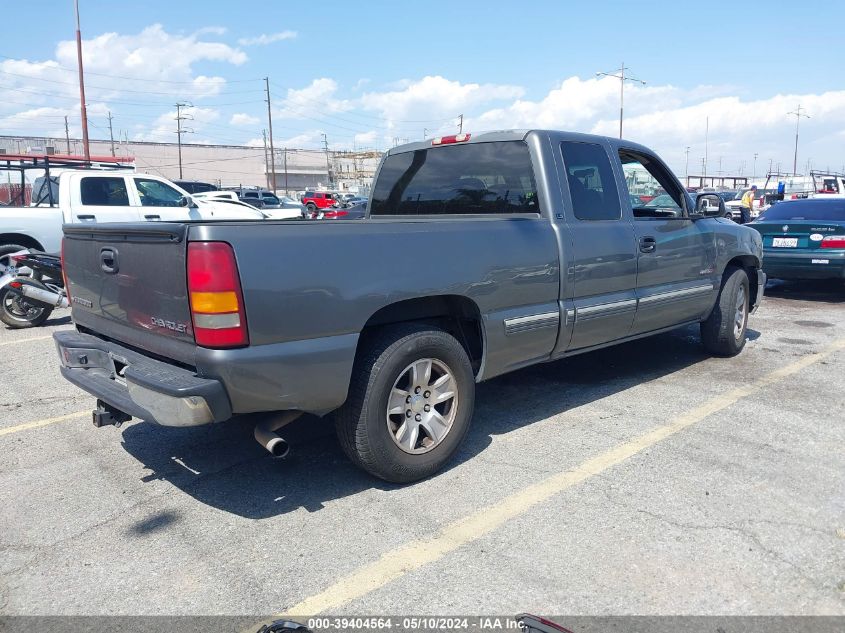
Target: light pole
point(798, 114)
point(620, 75)
point(82, 109)
point(754, 171)
point(686, 170)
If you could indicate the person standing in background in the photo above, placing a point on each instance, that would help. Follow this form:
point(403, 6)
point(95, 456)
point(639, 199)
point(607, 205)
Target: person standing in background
point(747, 205)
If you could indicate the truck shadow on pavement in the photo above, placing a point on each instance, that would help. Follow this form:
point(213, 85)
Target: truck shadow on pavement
point(223, 467)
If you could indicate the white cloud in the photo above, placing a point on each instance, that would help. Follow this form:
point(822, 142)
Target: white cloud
point(318, 95)
point(151, 54)
point(264, 38)
point(435, 97)
point(242, 118)
point(366, 138)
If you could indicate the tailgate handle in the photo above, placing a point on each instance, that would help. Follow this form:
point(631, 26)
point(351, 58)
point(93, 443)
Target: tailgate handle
point(86, 217)
point(108, 260)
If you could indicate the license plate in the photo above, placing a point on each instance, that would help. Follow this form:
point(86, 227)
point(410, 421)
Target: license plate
point(785, 242)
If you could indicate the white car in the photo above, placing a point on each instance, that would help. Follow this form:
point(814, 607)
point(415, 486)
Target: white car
point(109, 196)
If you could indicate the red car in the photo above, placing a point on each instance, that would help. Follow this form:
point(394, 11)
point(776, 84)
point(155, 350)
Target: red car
point(314, 200)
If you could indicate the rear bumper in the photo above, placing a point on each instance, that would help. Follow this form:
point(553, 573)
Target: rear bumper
point(817, 265)
point(761, 289)
point(140, 386)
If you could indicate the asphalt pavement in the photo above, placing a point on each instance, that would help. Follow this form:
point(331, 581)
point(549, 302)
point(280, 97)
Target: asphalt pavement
point(644, 479)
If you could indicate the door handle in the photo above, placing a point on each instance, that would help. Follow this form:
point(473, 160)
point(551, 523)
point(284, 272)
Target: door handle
point(152, 217)
point(86, 217)
point(648, 244)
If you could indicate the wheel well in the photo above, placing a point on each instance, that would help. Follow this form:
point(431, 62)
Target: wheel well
point(749, 264)
point(457, 315)
point(18, 238)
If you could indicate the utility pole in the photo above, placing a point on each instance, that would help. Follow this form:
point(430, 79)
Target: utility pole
point(425, 133)
point(270, 127)
point(266, 171)
point(180, 131)
point(286, 171)
point(619, 74)
point(754, 171)
point(686, 171)
point(82, 110)
point(706, 143)
point(461, 124)
point(328, 167)
point(111, 134)
point(798, 114)
point(67, 136)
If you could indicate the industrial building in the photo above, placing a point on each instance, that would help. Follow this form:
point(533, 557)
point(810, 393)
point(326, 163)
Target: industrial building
point(223, 165)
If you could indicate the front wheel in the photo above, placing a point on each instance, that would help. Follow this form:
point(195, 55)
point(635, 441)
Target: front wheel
point(410, 403)
point(723, 333)
point(17, 312)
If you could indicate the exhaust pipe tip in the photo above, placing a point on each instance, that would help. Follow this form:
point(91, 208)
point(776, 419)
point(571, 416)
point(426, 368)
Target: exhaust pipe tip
point(278, 448)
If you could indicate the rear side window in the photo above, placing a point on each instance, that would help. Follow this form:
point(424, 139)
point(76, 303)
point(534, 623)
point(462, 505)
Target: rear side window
point(591, 182)
point(104, 192)
point(482, 178)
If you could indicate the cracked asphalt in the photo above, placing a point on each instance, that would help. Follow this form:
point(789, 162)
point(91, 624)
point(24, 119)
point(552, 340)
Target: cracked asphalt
point(741, 512)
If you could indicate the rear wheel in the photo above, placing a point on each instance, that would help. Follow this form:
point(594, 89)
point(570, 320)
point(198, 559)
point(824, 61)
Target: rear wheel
point(723, 333)
point(410, 403)
point(17, 312)
point(6, 250)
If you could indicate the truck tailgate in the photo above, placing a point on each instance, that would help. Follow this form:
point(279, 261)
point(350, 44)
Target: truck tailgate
point(128, 282)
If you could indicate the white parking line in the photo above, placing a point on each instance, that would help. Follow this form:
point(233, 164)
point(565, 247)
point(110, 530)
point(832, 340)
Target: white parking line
point(416, 554)
point(34, 425)
point(25, 340)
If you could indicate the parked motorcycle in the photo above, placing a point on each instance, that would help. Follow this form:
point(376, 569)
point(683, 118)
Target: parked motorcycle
point(31, 288)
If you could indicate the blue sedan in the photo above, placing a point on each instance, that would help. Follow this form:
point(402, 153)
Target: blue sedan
point(803, 239)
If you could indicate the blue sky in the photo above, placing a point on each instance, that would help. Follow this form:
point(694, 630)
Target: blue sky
point(367, 73)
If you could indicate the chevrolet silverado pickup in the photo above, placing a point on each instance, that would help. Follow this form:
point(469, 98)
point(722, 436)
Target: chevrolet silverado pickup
point(478, 255)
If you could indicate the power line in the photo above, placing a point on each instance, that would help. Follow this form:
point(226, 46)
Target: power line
point(166, 81)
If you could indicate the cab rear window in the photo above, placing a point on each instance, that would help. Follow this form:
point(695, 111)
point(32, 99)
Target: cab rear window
point(480, 178)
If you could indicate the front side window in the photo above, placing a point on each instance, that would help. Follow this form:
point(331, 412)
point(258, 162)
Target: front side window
point(270, 198)
point(648, 180)
point(481, 178)
point(591, 182)
point(157, 194)
point(104, 192)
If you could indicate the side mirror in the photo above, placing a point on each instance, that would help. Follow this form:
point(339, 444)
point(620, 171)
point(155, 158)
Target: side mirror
point(709, 205)
point(188, 201)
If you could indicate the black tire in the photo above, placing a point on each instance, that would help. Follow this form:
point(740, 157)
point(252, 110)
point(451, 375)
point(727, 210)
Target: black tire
point(362, 422)
point(13, 315)
point(311, 207)
point(719, 331)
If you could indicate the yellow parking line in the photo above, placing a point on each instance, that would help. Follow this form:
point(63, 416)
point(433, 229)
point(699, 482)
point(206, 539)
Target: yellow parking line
point(34, 425)
point(414, 555)
point(25, 340)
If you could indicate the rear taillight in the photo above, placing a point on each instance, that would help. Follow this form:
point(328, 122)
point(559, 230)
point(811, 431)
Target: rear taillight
point(449, 140)
point(64, 269)
point(335, 214)
point(217, 305)
point(833, 241)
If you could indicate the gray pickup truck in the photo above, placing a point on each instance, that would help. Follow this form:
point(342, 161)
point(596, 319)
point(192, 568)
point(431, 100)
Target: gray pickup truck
point(477, 256)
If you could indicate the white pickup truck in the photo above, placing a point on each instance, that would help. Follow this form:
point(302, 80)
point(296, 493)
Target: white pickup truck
point(110, 196)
